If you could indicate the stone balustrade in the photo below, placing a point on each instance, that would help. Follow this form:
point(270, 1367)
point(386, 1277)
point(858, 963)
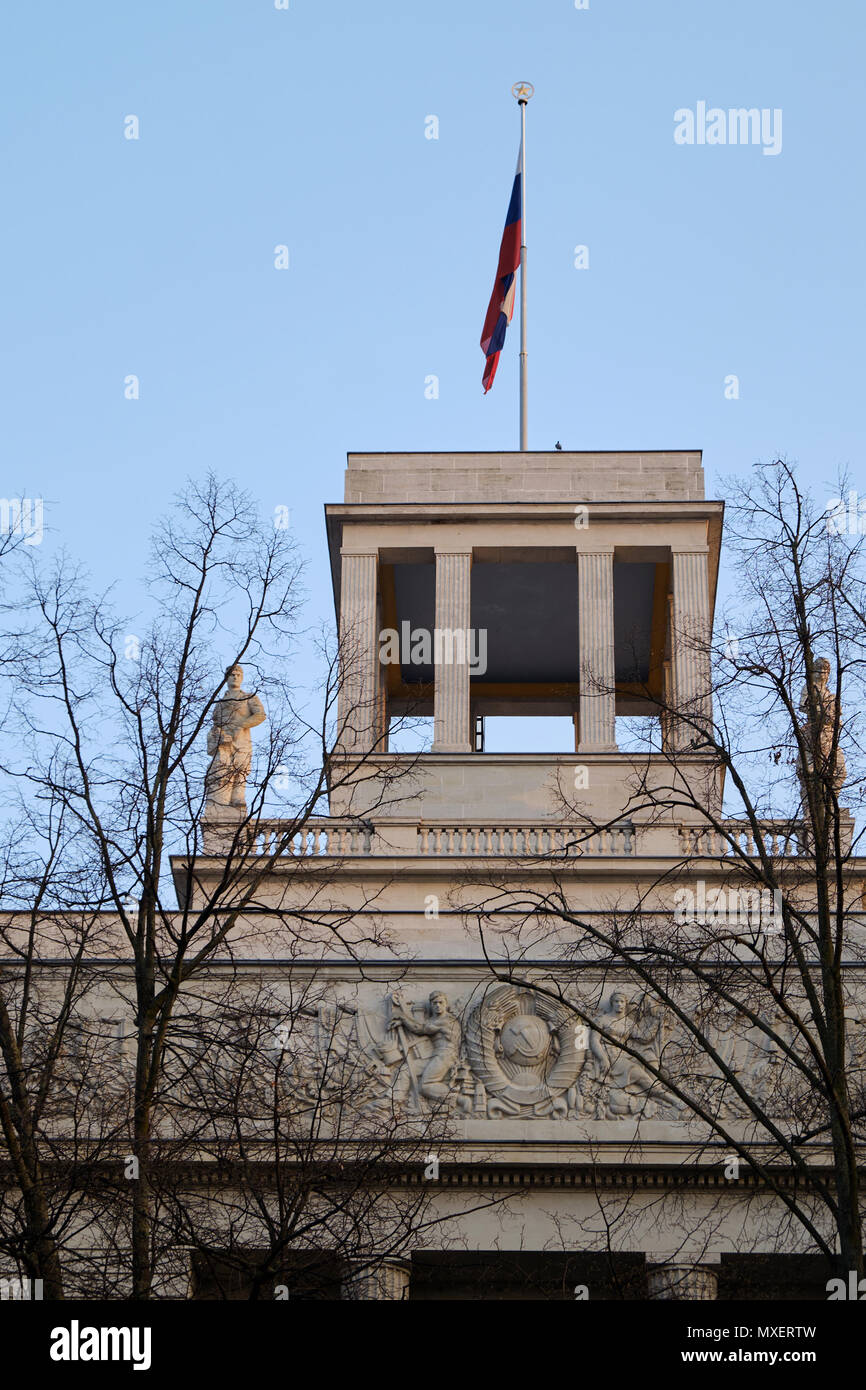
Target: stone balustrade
point(780, 837)
point(525, 840)
point(319, 836)
point(340, 837)
point(352, 838)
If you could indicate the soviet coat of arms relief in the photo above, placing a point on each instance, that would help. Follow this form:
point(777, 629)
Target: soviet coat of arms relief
point(507, 1053)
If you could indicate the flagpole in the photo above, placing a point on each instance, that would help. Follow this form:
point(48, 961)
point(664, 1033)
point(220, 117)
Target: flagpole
point(523, 91)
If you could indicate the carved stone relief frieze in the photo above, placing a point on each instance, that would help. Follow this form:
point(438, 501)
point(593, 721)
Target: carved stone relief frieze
point(517, 1053)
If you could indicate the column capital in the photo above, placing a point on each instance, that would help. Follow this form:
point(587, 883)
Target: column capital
point(369, 1279)
point(681, 1281)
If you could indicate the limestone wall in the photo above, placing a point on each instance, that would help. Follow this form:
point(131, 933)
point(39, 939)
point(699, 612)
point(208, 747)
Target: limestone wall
point(525, 477)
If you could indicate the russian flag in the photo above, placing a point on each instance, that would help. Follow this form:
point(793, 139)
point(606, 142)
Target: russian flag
point(501, 305)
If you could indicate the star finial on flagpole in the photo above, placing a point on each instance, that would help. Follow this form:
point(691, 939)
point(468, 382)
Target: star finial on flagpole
point(522, 91)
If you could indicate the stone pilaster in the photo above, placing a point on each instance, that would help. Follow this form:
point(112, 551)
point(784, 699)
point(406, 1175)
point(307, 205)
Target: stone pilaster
point(360, 700)
point(690, 642)
point(682, 1281)
point(383, 1279)
point(452, 731)
point(597, 719)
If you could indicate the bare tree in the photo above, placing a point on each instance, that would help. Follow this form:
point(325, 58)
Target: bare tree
point(109, 730)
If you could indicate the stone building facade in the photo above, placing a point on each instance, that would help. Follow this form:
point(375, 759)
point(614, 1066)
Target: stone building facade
point(514, 1092)
point(537, 584)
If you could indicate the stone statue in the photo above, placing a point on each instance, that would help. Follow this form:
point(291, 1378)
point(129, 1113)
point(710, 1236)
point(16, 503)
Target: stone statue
point(230, 745)
point(615, 1079)
point(820, 739)
point(443, 1029)
point(409, 1059)
point(767, 1060)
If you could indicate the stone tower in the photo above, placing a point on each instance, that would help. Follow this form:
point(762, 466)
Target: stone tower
point(530, 584)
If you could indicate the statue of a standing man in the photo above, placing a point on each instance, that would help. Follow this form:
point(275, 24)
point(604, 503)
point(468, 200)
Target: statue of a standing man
point(230, 745)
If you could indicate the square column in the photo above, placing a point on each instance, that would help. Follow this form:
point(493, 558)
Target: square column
point(359, 703)
point(690, 642)
point(452, 732)
point(666, 718)
point(597, 721)
point(382, 700)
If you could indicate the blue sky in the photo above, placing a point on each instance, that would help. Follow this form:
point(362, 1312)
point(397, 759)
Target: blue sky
point(306, 127)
